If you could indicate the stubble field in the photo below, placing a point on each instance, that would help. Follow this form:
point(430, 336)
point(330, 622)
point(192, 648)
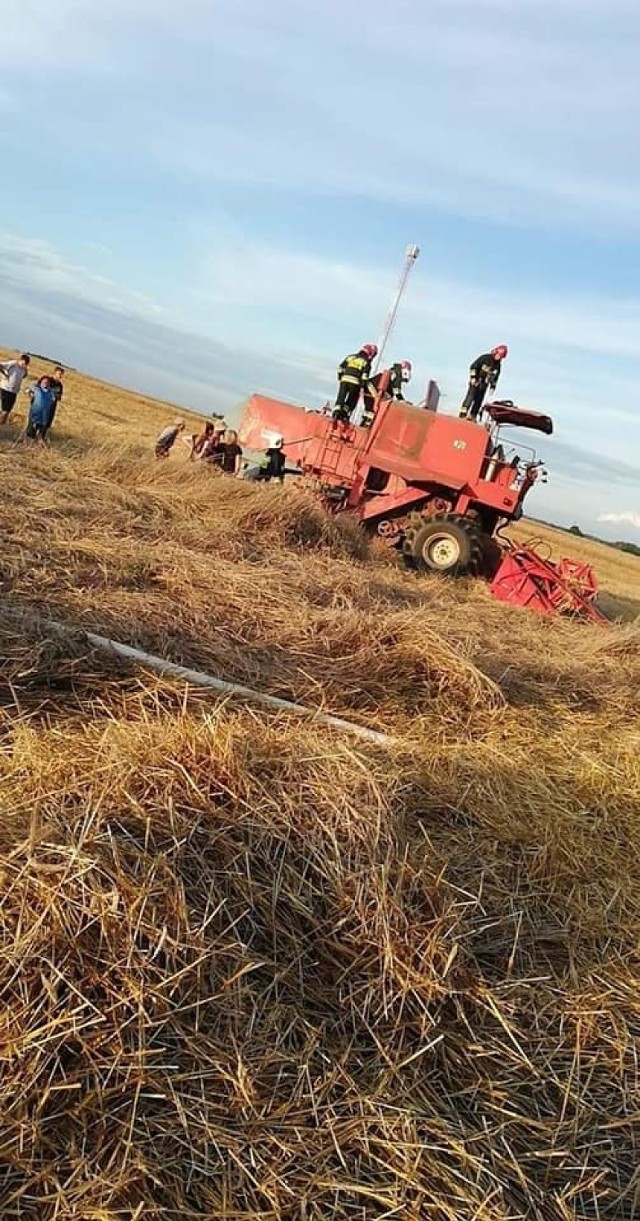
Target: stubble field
point(253, 968)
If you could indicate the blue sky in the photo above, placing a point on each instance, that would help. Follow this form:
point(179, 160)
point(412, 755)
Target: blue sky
point(206, 198)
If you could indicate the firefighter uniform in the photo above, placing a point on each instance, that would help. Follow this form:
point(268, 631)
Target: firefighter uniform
point(353, 374)
point(388, 384)
point(272, 466)
point(483, 376)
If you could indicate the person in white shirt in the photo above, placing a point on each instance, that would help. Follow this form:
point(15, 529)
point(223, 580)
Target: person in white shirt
point(13, 373)
point(168, 437)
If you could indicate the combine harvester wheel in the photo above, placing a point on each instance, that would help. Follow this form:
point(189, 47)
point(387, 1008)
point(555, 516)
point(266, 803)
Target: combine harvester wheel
point(450, 545)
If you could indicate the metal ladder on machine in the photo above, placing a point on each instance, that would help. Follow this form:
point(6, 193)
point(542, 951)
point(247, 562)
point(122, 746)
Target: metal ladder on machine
point(335, 440)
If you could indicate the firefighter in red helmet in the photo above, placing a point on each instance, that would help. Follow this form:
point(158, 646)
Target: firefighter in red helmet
point(353, 374)
point(389, 384)
point(483, 376)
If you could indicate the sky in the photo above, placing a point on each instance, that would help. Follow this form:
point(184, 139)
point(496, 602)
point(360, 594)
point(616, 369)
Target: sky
point(206, 199)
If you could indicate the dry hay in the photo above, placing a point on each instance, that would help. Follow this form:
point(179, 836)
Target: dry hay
point(253, 973)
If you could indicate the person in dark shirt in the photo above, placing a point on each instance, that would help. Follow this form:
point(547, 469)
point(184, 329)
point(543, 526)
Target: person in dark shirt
point(272, 465)
point(56, 385)
point(167, 439)
point(353, 374)
point(483, 376)
point(276, 461)
point(389, 384)
point(227, 453)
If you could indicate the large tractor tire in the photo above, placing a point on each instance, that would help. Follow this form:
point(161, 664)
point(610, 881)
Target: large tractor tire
point(448, 544)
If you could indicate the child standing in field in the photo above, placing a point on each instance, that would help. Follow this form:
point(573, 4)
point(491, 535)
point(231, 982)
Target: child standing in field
point(167, 439)
point(41, 410)
point(57, 389)
point(13, 373)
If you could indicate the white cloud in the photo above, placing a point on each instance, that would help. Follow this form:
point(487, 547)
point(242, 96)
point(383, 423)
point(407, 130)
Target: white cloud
point(83, 37)
point(478, 108)
point(627, 518)
point(32, 263)
point(576, 356)
point(527, 112)
point(296, 313)
point(232, 270)
point(519, 111)
point(60, 308)
point(296, 306)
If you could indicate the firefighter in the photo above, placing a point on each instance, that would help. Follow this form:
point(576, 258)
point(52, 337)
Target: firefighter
point(272, 465)
point(388, 384)
point(353, 374)
point(483, 376)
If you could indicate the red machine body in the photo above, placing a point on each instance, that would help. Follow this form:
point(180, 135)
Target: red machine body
point(408, 460)
point(527, 578)
point(436, 486)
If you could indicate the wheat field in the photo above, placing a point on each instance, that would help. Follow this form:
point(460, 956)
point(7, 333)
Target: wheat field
point(254, 969)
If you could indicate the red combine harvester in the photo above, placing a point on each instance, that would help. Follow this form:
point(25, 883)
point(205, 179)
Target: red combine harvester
point(437, 487)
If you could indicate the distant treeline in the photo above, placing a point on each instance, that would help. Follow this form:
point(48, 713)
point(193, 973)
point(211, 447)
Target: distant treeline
point(630, 548)
point(623, 545)
point(50, 361)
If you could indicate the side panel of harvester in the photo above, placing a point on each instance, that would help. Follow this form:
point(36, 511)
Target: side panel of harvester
point(417, 446)
point(265, 416)
point(423, 451)
point(419, 452)
point(423, 447)
point(310, 440)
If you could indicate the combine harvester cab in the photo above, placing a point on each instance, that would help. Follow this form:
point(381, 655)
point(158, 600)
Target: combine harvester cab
point(436, 487)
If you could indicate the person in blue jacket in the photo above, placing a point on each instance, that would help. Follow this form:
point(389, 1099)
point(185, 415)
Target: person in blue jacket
point(56, 385)
point(42, 410)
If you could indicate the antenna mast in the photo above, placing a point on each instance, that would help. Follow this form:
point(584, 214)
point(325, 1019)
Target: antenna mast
point(411, 257)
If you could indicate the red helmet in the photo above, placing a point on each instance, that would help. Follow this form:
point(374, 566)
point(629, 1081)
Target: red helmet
point(406, 364)
point(370, 350)
point(501, 352)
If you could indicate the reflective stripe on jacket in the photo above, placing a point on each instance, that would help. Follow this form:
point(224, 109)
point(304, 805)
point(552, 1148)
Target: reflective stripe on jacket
point(354, 369)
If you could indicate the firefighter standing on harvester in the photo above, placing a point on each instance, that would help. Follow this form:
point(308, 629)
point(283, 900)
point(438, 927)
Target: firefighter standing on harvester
point(353, 374)
point(483, 376)
point(387, 384)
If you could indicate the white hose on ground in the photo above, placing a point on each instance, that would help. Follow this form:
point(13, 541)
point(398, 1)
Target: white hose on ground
point(198, 679)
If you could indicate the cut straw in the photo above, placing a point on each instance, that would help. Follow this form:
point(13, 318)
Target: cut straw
point(197, 678)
